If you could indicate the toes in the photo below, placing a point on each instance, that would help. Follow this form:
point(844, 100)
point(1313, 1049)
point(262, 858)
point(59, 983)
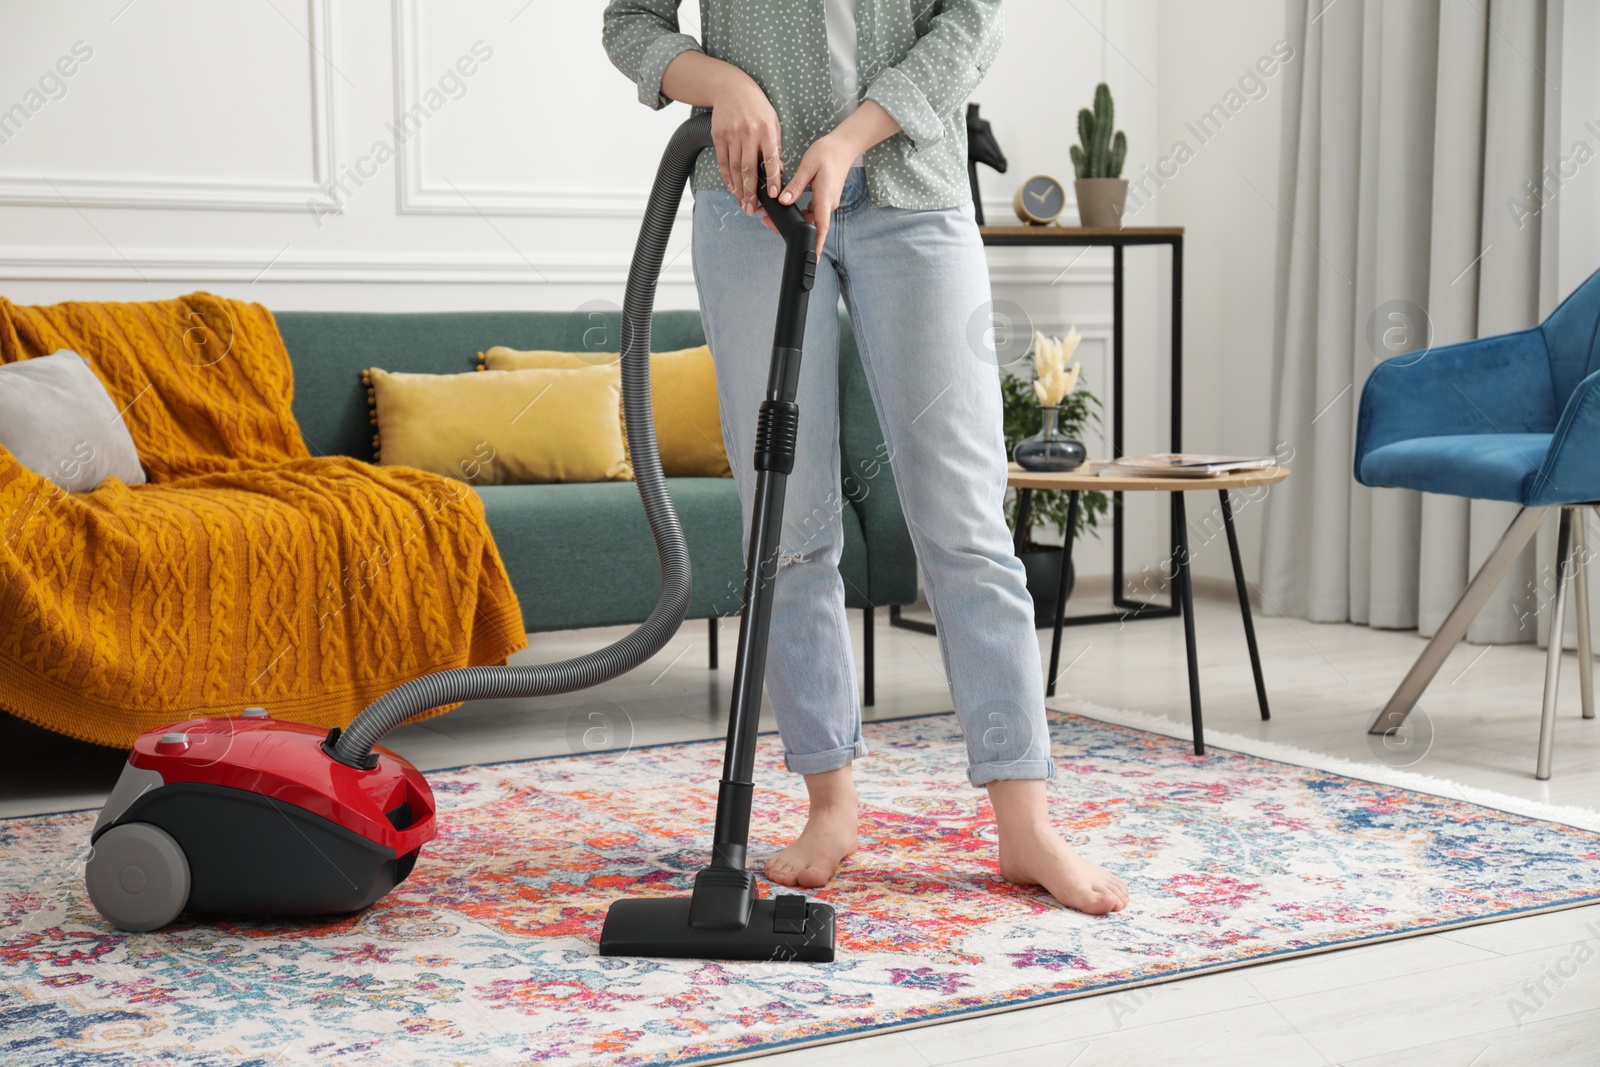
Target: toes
point(797, 875)
point(812, 878)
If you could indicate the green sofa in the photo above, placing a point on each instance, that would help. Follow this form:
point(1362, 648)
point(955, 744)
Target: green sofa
point(581, 555)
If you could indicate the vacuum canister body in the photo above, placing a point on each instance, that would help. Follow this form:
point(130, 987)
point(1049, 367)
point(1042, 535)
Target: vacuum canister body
point(248, 815)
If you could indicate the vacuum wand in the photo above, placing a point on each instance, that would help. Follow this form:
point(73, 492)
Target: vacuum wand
point(776, 430)
point(724, 917)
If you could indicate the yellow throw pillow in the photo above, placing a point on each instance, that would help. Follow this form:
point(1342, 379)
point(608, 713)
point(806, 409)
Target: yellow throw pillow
point(506, 427)
point(683, 391)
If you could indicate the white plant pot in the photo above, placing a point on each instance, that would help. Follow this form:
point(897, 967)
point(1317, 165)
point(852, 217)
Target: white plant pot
point(1100, 200)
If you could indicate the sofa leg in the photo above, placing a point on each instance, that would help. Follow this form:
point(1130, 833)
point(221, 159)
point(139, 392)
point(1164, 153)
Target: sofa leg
point(711, 635)
point(1393, 714)
point(869, 695)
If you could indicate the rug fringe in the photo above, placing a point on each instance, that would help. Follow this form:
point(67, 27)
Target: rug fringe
point(1583, 818)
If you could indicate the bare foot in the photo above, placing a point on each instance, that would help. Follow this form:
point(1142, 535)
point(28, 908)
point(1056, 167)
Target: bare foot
point(1032, 853)
point(1047, 861)
point(829, 837)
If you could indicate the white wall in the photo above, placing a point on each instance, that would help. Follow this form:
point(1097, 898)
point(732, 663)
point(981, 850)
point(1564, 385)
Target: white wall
point(192, 149)
point(1223, 189)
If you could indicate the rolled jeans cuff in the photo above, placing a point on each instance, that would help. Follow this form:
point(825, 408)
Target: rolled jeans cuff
point(822, 762)
point(981, 774)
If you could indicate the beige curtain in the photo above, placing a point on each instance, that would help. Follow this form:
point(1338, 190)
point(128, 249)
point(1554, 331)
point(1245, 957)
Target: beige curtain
point(1408, 137)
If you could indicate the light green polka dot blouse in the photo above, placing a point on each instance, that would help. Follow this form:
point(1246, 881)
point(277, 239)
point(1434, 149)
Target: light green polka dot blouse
point(919, 59)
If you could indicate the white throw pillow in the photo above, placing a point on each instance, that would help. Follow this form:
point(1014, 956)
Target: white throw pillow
point(59, 421)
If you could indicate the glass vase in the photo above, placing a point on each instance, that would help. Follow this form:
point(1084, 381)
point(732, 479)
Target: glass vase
point(1049, 449)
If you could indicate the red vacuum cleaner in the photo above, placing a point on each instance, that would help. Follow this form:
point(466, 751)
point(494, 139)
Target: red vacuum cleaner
point(250, 815)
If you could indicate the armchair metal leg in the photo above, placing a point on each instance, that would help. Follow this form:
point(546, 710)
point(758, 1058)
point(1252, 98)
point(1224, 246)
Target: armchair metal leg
point(1454, 627)
point(711, 634)
point(1552, 659)
point(1580, 591)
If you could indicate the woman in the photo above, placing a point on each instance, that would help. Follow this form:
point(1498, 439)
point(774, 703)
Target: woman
point(864, 109)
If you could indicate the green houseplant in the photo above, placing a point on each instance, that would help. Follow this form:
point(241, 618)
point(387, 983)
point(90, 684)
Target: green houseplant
point(1078, 414)
point(1097, 160)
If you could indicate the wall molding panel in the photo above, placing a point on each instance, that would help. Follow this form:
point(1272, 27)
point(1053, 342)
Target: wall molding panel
point(291, 265)
point(409, 266)
point(416, 197)
point(176, 193)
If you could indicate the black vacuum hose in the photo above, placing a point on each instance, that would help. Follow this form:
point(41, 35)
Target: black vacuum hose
point(354, 744)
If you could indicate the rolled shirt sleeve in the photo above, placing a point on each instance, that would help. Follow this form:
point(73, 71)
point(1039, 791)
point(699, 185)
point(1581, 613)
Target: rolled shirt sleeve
point(941, 69)
point(642, 39)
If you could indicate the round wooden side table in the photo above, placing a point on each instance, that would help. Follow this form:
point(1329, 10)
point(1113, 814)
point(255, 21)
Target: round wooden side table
point(1088, 478)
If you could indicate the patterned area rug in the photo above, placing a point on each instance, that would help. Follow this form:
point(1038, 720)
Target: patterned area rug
point(487, 954)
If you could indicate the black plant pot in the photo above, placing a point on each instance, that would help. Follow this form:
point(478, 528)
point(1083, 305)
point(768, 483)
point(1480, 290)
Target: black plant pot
point(1044, 578)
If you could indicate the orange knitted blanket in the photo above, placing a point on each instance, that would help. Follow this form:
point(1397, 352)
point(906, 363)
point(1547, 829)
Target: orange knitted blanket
point(248, 571)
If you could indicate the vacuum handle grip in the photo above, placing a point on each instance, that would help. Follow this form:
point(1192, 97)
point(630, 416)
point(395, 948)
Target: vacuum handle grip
point(799, 270)
point(786, 217)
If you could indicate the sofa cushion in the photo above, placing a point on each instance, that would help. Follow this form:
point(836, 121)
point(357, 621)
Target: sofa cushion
point(503, 427)
point(546, 533)
point(57, 419)
point(683, 398)
point(541, 530)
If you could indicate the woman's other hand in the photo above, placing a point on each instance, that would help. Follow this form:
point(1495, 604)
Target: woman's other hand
point(824, 168)
point(826, 164)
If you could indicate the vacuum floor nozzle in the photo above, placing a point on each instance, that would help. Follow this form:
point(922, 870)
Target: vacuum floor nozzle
point(782, 929)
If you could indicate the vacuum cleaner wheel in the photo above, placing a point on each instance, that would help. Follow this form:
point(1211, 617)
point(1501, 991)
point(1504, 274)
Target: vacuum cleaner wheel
point(138, 876)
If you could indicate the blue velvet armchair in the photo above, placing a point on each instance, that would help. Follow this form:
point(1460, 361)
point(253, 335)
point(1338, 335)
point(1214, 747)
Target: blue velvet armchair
point(1515, 418)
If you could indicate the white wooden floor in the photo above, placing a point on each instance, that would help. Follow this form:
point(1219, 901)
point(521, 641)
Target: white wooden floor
point(1440, 1000)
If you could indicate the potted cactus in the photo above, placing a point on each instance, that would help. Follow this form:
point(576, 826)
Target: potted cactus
point(1097, 159)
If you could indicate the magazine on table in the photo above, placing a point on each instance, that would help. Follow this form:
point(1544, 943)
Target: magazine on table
point(1184, 465)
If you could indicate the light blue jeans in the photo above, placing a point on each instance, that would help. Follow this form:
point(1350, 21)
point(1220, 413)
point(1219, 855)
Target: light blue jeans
point(913, 282)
